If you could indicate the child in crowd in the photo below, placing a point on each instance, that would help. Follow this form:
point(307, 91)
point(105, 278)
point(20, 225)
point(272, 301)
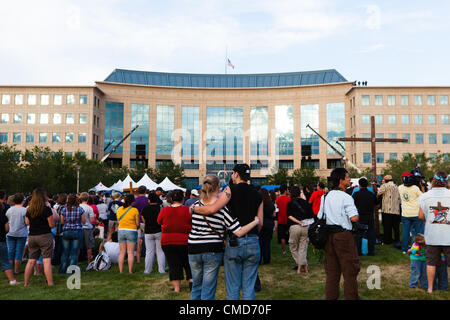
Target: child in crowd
point(418, 264)
point(441, 278)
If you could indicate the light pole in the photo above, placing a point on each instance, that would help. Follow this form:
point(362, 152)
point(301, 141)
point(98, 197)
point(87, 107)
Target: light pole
point(78, 178)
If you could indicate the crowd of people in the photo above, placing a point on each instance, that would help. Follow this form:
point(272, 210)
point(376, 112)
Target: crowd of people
point(192, 234)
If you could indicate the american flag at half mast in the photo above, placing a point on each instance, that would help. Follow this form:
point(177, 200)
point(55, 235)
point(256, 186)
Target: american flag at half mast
point(230, 64)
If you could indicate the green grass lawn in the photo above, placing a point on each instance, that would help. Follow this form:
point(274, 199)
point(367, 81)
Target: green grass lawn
point(279, 282)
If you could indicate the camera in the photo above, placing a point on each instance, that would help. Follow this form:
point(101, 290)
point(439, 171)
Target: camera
point(415, 179)
point(232, 240)
point(359, 227)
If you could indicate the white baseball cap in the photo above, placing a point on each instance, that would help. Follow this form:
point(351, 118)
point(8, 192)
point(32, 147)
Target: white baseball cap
point(195, 192)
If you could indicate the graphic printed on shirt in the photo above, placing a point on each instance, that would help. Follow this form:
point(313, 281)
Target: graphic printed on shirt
point(440, 214)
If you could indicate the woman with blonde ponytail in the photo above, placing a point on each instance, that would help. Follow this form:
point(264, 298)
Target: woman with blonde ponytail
point(40, 240)
point(206, 241)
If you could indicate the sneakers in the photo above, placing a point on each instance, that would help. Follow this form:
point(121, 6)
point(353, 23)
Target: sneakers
point(404, 252)
point(12, 283)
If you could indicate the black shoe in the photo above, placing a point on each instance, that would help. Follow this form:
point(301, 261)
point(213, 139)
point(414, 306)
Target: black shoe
point(294, 267)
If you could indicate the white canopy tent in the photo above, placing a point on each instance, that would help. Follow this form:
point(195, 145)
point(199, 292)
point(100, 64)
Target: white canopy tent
point(100, 187)
point(116, 185)
point(126, 184)
point(147, 182)
point(168, 185)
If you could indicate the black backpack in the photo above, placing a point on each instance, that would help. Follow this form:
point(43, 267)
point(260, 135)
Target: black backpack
point(318, 231)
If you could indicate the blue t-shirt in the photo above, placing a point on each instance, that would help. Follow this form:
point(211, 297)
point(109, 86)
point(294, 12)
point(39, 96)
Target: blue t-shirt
point(356, 189)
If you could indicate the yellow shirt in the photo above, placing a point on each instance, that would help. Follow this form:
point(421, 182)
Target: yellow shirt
point(409, 197)
point(129, 219)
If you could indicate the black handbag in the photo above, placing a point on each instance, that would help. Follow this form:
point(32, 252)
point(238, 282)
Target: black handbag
point(318, 231)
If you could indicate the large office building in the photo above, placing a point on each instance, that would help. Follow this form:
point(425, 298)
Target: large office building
point(209, 122)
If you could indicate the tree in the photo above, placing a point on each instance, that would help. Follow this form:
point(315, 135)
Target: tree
point(305, 176)
point(397, 167)
point(279, 176)
point(10, 171)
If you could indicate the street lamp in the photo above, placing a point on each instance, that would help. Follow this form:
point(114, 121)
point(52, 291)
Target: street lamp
point(78, 178)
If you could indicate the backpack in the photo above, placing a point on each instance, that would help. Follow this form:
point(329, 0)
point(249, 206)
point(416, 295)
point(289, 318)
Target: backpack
point(101, 262)
point(318, 231)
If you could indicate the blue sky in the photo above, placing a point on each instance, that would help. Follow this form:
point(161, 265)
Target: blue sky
point(79, 42)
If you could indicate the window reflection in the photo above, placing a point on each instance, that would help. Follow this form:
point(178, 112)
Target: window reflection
point(164, 129)
point(140, 115)
point(284, 126)
point(190, 117)
point(224, 131)
point(335, 125)
point(258, 131)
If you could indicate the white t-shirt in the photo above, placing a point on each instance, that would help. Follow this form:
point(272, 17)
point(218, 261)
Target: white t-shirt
point(339, 208)
point(102, 211)
point(89, 213)
point(435, 205)
point(112, 249)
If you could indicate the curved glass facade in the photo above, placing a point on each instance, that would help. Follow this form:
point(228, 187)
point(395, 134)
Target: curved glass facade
point(113, 125)
point(284, 126)
point(140, 115)
point(190, 123)
point(309, 114)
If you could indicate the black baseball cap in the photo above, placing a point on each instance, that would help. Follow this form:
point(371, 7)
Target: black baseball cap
point(243, 170)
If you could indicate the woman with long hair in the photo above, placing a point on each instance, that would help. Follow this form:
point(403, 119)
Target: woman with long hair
point(72, 219)
point(129, 223)
point(175, 221)
point(40, 240)
point(206, 241)
point(266, 233)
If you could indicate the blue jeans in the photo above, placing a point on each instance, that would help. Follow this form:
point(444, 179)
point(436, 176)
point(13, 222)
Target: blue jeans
point(71, 242)
point(241, 267)
point(4, 259)
point(205, 271)
point(441, 277)
point(418, 274)
point(413, 224)
point(15, 247)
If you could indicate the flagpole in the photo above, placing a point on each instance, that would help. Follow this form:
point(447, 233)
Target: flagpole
point(226, 58)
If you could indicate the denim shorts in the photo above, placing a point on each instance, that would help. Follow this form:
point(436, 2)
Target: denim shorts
point(129, 236)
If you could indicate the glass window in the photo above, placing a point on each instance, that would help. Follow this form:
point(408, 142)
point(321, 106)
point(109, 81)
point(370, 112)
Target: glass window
point(418, 100)
point(365, 119)
point(259, 131)
point(365, 100)
point(392, 136)
point(393, 156)
point(44, 118)
point(140, 114)
point(224, 127)
point(379, 136)
point(68, 154)
point(445, 138)
point(31, 118)
point(444, 100)
point(432, 138)
point(3, 137)
point(83, 98)
point(56, 137)
point(431, 119)
point(57, 99)
point(405, 118)
point(70, 99)
point(57, 118)
point(380, 157)
point(113, 125)
point(366, 135)
point(83, 118)
point(378, 100)
point(30, 137)
point(70, 118)
point(69, 137)
point(5, 118)
point(32, 99)
point(392, 119)
point(405, 100)
point(164, 129)
point(406, 136)
point(18, 99)
point(82, 137)
point(418, 119)
point(6, 99)
point(431, 100)
point(17, 118)
point(433, 156)
point(284, 126)
point(378, 119)
point(43, 137)
point(335, 126)
point(309, 114)
point(45, 99)
point(366, 157)
point(444, 118)
point(17, 137)
point(419, 138)
point(391, 100)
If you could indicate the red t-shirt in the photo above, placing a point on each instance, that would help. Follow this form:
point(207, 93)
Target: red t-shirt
point(315, 200)
point(176, 223)
point(282, 202)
